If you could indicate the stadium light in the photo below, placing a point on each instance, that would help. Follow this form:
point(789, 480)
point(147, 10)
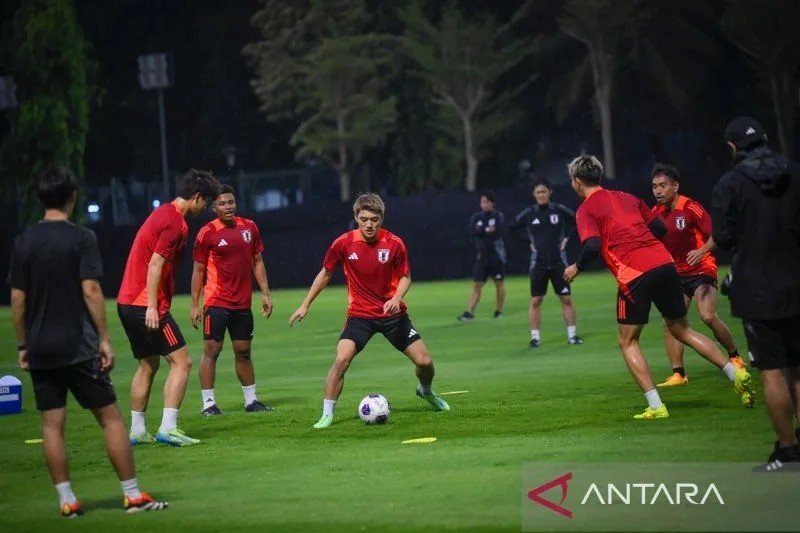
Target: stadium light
point(155, 73)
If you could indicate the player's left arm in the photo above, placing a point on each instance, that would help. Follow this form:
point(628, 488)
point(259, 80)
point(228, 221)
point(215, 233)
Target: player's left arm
point(702, 221)
point(18, 282)
point(392, 307)
point(570, 226)
point(260, 273)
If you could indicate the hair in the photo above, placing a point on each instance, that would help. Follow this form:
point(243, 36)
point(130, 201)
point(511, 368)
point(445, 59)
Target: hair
point(200, 182)
point(224, 188)
point(371, 202)
point(55, 185)
point(489, 195)
point(670, 171)
point(541, 181)
point(586, 168)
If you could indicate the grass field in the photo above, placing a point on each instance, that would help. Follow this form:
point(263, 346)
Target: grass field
point(274, 472)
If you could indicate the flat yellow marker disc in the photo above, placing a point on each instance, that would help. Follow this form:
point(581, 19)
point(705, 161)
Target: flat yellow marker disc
point(454, 392)
point(423, 440)
point(34, 441)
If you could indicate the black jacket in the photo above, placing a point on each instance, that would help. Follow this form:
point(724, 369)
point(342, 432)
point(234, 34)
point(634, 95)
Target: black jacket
point(487, 244)
point(546, 226)
point(756, 208)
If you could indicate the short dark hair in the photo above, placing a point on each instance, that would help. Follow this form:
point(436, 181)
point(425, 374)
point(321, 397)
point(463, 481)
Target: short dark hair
point(198, 181)
point(224, 188)
point(670, 171)
point(55, 185)
point(541, 181)
point(586, 168)
point(489, 196)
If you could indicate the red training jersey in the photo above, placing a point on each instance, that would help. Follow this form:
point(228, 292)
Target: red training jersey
point(228, 253)
point(620, 220)
point(164, 233)
point(372, 270)
point(688, 228)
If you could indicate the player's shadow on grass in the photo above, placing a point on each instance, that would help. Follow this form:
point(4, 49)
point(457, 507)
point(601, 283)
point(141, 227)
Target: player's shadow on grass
point(108, 503)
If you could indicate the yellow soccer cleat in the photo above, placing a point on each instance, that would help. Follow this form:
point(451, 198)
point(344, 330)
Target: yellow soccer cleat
point(674, 380)
point(652, 414)
point(738, 363)
point(743, 385)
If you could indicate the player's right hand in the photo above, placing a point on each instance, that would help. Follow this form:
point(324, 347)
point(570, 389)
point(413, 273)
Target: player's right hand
point(195, 316)
point(151, 318)
point(106, 356)
point(23, 360)
point(298, 315)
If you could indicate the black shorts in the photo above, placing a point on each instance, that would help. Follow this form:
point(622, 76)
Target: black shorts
point(689, 284)
point(398, 330)
point(238, 322)
point(660, 286)
point(773, 344)
point(555, 275)
point(144, 342)
point(488, 266)
point(91, 387)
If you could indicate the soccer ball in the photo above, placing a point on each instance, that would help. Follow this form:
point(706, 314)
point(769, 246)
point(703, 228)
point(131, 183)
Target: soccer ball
point(374, 409)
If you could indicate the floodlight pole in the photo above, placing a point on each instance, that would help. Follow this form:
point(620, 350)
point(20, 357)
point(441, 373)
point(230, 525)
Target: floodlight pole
point(163, 125)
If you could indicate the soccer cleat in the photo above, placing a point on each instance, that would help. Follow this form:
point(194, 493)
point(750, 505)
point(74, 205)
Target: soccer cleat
point(738, 363)
point(787, 458)
point(324, 421)
point(575, 340)
point(256, 406)
point(743, 385)
point(434, 399)
point(71, 510)
point(652, 414)
point(144, 502)
point(466, 316)
point(534, 343)
point(674, 380)
point(141, 438)
point(175, 437)
point(498, 314)
point(211, 410)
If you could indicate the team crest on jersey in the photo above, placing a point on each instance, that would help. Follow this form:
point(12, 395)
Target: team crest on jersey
point(680, 222)
point(246, 235)
point(383, 255)
point(554, 218)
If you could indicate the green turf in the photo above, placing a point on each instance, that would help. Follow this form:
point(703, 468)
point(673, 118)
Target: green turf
point(274, 472)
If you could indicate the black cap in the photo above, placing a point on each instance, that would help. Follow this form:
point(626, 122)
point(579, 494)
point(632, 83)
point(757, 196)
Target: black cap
point(744, 132)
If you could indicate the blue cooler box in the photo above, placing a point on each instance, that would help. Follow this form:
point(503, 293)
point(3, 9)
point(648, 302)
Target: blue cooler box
point(10, 395)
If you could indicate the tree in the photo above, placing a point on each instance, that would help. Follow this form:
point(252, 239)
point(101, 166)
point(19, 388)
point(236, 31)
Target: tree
point(767, 33)
point(48, 62)
point(462, 60)
point(317, 64)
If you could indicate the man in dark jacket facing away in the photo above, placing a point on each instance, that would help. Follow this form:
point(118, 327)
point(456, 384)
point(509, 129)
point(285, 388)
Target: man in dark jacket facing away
point(757, 214)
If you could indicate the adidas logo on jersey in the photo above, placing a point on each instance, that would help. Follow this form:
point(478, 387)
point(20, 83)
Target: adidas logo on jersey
point(411, 332)
point(535, 221)
point(353, 256)
point(565, 291)
point(222, 242)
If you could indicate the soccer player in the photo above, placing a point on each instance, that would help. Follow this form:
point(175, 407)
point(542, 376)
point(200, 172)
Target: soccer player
point(625, 229)
point(549, 226)
point(62, 335)
point(378, 276)
point(144, 301)
point(756, 213)
point(688, 240)
point(227, 253)
point(487, 228)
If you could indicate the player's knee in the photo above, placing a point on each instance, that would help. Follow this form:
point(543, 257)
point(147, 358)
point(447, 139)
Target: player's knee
point(243, 354)
point(536, 302)
point(341, 364)
point(148, 367)
point(212, 353)
point(423, 361)
point(708, 318)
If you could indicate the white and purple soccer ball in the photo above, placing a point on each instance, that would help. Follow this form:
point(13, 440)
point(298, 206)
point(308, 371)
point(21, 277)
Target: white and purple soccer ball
point(374, 409)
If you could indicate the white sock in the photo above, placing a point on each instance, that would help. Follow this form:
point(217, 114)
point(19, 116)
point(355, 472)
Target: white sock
point(327, 407)
point(571, 331)
point(730, 371)
point(130, 488)
point(137, 423)
point(535, 334)
point(169, 420)
point(249, 394)
point(208, 397)
point(65, 494)
point(653, 400)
